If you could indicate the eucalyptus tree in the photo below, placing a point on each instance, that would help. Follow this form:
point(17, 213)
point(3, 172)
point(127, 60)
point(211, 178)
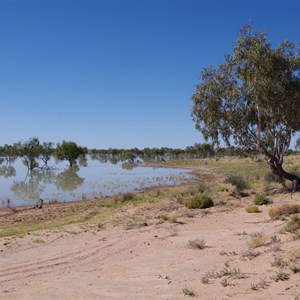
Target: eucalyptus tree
point(252, 100)
point(30, 151)
point(69, 151)
point(8, 153)
point(46, 153)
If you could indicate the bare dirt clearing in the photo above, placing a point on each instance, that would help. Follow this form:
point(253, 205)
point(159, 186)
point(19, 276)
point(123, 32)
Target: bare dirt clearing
point(138, 255)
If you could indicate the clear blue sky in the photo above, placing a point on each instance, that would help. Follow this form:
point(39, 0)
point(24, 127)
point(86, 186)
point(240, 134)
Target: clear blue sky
point(118, 73)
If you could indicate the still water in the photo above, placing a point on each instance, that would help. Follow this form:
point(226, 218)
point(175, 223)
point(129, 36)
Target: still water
point(95, 178)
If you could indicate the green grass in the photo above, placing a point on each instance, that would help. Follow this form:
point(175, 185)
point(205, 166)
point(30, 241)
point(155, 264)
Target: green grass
point(261, 199)
point(238, 181)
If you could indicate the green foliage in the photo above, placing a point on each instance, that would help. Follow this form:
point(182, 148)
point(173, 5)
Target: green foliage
point(46, 151)
point(260, 199)
point(69, 151)
point(199, 201)
point(237, 181)
point(252, 99)
point(30, 151)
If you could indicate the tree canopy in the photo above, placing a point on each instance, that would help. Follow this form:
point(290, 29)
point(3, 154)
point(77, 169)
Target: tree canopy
point(252, 100)
point(69, 151)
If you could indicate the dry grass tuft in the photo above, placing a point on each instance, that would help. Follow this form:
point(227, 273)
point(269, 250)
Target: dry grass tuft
point(197, 244)
point(188, 292)
point(284, 210)
point(252, 209)
point(258, 239)
point(280, 276)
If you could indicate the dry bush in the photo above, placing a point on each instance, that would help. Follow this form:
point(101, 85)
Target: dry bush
point(250, 254)
point(263, 284)
point(188, 292)
point(278, 262)
point(227, 272)
point(252, 209)
point(197, 244)
point(171, 219)
point(284, 210)
point(294, 223)
point(258, 239)
point(280, 276)
point(295, 255)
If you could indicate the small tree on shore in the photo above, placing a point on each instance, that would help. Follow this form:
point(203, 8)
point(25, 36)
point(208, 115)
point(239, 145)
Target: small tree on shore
point(252, 100)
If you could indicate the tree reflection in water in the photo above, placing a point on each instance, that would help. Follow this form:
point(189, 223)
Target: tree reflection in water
point(69, 179)
point(36, 181)
point(7, 171)
point(33, 185)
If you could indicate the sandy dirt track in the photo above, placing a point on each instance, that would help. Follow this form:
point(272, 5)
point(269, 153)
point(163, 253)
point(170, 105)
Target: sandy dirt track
point(150, 262)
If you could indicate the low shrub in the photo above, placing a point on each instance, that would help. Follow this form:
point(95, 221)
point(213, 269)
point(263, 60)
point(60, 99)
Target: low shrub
point(197, 188)
point(279, 263)
point(252, 209)
point(199, 201)
point(293, 224)
point(188, 292)
point(171, 219)
point(284, 210)
point(237, 181)
point(260, 199)
point(258, 239)
point(197, 244)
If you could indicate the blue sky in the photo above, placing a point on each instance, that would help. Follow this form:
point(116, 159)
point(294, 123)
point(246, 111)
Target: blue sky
point(118, 73)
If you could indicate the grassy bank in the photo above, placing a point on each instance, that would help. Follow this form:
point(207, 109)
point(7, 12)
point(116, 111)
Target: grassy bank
point(213, 181)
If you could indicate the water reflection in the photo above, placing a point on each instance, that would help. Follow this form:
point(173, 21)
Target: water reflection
point(69, 180)
point(32, 187)
point(29, 189)
point(96, 175)
point(7, 171)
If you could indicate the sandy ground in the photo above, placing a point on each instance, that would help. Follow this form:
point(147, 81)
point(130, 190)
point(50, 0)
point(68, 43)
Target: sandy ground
point(153, 260)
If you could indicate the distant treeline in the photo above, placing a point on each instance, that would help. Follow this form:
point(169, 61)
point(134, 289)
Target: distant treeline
point(33, 150)
point(191, 152)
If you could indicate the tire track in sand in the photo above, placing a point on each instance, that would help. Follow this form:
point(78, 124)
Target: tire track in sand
point(68, 259)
